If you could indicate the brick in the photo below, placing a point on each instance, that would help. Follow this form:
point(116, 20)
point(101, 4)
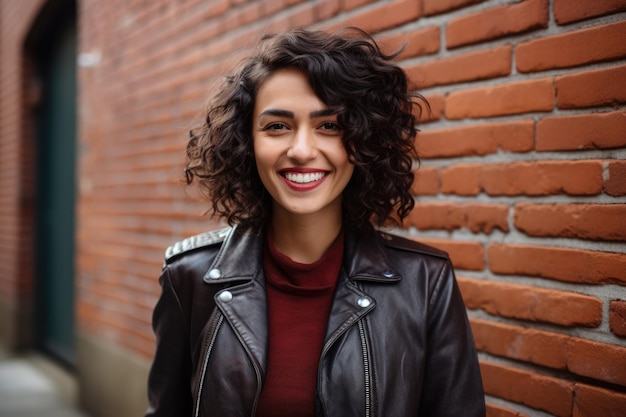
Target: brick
point(600, 361)
point(302, 18)
point(464, 255)
point(353, 4)
point(534, 390)
point(582, 221)
point(385, 16)
point(584, 131)
point(499, 100)
point(590, 401)
point(434, 110)
point(580, 47)
point(497, 411)
point(617, 317)
point(520, 343)
point(426, 181)
point(524, 178)
point(522, 302)
point(461, 179)
point(248, 13)
point(543, 178)
point(478, 218)
point(477, 139)
point(423, 41)
point(568, 11)
point(431, 7)
point(597, 360)
point(473, 66)
point(567, 265)
point(497, 22)
point(615, 184)
point(268, 7)
point(591, 88)
point(325, 9)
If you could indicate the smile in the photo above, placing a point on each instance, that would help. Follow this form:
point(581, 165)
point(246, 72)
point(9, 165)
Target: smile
point(304, 178)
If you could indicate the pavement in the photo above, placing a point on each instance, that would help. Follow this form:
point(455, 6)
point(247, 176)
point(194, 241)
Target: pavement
point(32, 386)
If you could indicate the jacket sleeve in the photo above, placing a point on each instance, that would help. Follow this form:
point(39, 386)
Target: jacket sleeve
point(452, 382)
point(169, 383)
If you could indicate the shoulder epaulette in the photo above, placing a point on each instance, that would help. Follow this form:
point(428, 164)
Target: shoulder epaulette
point(195, 242)
point(411, 245)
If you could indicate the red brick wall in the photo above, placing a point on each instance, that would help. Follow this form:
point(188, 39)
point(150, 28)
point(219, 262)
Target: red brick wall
point(16, 170)
point(522, 180)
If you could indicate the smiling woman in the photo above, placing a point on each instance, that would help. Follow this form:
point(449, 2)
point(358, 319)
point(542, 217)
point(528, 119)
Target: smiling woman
point(302, 307)
point(374, 108)
point(301, 161)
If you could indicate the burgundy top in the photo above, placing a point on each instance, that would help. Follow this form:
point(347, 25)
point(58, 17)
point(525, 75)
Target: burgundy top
point(298, 305)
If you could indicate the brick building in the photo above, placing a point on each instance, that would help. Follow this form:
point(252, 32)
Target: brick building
point(522, 179)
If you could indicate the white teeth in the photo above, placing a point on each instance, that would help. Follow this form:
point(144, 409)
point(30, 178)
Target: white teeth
point(304, 178)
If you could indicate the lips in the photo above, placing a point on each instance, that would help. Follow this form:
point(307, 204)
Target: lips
point(303, 180)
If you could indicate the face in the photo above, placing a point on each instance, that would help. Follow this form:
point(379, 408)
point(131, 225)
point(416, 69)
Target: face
point(298, 147)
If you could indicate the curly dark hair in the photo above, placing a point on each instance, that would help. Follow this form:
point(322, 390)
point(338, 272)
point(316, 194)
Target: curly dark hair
point(349, 73)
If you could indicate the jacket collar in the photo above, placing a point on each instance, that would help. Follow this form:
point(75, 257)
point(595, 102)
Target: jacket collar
point(366, 259)
point(240, 257)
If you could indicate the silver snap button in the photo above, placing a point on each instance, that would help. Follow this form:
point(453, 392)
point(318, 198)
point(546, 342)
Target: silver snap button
point(364, 302)
point(225, 296)
point(215, 273)
point(388, 273)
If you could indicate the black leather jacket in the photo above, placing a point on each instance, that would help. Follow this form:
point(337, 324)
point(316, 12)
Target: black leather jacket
point(397, 343)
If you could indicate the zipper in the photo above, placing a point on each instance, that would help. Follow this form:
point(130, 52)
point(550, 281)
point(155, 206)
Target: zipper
point(366, 369)
point(215, 325)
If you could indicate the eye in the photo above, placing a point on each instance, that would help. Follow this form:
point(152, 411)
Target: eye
point(276, 127)
point(330, 127)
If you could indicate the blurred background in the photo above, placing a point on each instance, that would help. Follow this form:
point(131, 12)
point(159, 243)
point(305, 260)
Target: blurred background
point(522, 180)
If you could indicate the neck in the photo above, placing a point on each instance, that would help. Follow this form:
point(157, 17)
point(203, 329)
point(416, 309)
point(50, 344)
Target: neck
point(304, 238)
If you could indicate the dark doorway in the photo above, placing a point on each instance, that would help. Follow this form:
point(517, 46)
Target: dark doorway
point(55, 48)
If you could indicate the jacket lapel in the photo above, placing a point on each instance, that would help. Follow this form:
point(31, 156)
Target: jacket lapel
point(364, 260)
point(244, 304)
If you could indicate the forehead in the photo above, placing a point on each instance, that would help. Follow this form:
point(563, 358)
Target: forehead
point(287, 88)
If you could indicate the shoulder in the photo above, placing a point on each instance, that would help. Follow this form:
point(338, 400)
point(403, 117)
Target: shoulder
point(416, 259)
point(395, 242)
point(194, 243)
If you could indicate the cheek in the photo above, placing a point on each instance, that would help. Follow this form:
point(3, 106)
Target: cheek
point(264, 163)
point(263, 159)
point(349, 172)
point(341, 160)
point(258, 150)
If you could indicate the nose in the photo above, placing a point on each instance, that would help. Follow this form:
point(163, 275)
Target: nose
point(303, 147)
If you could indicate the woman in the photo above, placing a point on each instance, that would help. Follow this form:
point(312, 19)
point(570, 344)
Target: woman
point(301, 307)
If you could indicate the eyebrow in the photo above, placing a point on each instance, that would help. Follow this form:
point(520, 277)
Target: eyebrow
point(291, 115)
